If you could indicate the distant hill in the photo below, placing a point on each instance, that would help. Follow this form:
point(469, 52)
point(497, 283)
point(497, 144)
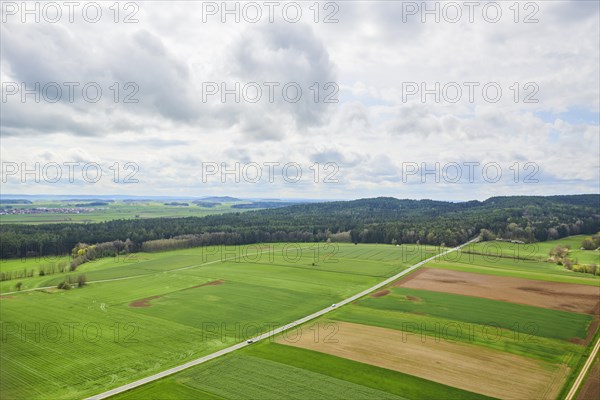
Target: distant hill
point(222, 199)
point(15, 201)
point(129, 201)
point(206, 204)
point(91, 200)
point(264, 204)
point(375, 220)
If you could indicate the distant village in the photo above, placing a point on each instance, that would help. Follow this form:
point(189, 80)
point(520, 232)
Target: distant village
point(46, 210)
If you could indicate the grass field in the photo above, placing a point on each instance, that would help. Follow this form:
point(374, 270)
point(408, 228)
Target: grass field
point(536, 251)
point(69, 344)
point(516, 267)
point(377, 261)
point(542, 321)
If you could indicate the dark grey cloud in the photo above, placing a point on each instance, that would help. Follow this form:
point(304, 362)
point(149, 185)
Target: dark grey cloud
point(163, 80)
point(285, 53)
point(45, 53)
point(27, 120)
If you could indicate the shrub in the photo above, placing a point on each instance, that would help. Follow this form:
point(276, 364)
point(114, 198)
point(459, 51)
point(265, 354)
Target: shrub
point(588, 244)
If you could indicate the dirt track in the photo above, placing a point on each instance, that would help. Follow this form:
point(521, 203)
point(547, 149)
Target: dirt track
point(555, 295)
point(469, 367)
point(381, 293)
point(143, 302)
point(213, 283)
point(591, 388)
point(146, 301)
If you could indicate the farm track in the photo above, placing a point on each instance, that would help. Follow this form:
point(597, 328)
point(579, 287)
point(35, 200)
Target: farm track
point(583, 372)
point(266, 335)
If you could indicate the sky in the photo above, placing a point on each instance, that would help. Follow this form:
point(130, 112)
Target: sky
point(327, 100)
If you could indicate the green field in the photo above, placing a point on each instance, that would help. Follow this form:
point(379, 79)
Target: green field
point(516, 260)
point(377, 261)
point(523, 253)
point(543, 321)
point(278, 371)
point(70, 344)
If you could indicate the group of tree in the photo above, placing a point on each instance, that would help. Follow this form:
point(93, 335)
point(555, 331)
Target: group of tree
point(16, 274)
point(92, 204)
point(378, 220)
point(53, 268)
point(84, 252)
point(560, 255)
point(72, 281)
point(592, 243)
point(43, 270)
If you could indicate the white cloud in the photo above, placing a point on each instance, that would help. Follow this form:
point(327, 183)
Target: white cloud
point(370, 54)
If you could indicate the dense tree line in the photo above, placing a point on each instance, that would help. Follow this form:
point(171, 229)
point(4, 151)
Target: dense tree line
point(379, 220)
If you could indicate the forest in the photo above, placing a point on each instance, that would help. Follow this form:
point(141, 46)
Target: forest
point(376, 220)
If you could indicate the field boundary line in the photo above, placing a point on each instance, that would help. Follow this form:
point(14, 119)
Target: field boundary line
point(273, 332)
point(583, 372)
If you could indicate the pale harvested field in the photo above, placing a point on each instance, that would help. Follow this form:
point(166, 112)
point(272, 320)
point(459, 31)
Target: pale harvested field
point(468, 367)
point(555, 295)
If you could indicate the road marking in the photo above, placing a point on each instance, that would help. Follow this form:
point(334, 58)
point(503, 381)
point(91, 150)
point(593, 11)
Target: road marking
point(266, 335)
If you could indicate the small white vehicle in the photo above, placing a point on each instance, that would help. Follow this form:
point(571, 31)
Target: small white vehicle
point(333, 305)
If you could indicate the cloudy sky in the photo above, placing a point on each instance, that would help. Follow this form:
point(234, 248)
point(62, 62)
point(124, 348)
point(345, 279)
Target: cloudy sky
point(340, 100)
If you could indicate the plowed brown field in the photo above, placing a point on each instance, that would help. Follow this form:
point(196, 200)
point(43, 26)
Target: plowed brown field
point(555, 295)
